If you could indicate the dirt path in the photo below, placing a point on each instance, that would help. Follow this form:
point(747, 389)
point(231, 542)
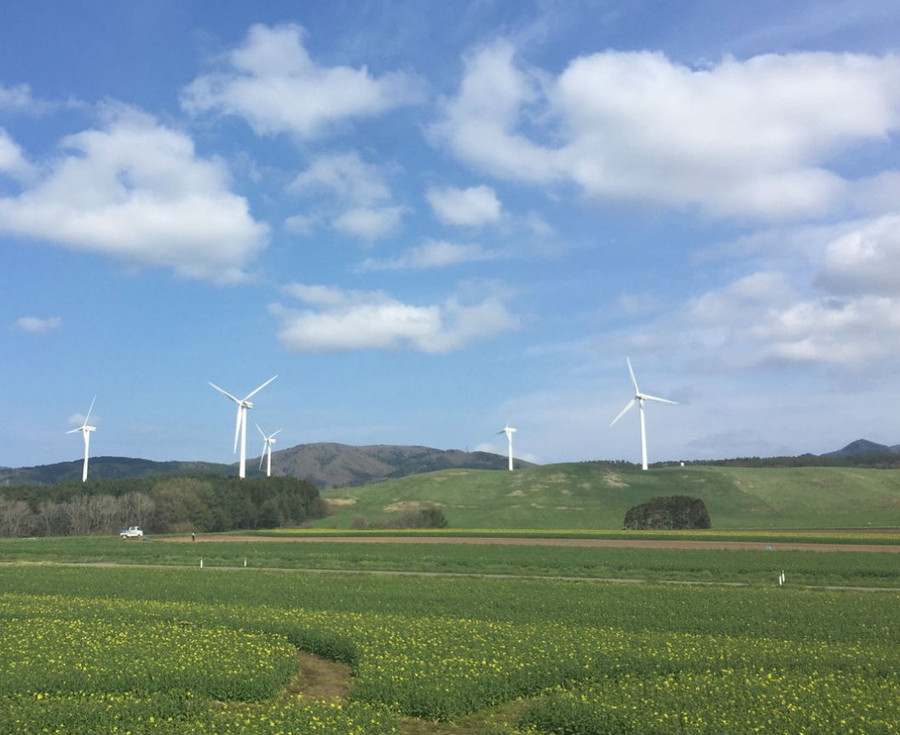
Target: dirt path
point(575, 542)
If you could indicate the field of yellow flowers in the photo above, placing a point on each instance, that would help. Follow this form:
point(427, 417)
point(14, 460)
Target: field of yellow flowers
point(93, 650)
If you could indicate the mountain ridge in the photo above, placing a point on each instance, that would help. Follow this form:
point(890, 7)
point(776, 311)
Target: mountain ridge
point(331, 464)
point(325, 464)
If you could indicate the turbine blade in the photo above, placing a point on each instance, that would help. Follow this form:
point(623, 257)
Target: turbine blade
point(633, 379)
point(87, 418)
point(263, 455)
point(624, 410)
point(261, 432)
point(276, 432)
point(250, 395)
point(225, 392)
point(655, 398)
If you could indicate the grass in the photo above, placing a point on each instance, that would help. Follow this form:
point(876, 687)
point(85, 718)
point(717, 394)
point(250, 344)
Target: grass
point(758, 566)
point(595, 496)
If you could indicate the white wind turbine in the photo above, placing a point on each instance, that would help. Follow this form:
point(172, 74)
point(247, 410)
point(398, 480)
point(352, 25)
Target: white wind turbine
point(268, 441)
point(509, 431)
point(86, 433)
point(240, 427)
point(639, 399)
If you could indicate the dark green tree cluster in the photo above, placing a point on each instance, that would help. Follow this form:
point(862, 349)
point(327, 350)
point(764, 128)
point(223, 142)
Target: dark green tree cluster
point(675, 512)
point(162, 504)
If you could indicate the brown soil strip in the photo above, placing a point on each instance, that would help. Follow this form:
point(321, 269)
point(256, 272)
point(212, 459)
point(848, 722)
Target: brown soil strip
point(576, 542)
point(318, 678)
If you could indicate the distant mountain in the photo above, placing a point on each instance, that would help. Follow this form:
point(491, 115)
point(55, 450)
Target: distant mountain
point(325, 465)
point(862, 446)
point(108, 467)
point(342, 465)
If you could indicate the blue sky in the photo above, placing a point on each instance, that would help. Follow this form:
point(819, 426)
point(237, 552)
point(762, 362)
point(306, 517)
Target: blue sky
point(431, 218)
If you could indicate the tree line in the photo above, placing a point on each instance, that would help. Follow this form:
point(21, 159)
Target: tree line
point(162, 504)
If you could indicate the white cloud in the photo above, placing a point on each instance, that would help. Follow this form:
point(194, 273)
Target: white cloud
point(37, 325)
point(472, 207)
point(136, 191)
point(346, 176)
point(13, 162)
point(747, 138)
point(300, 224)
point(20, 99)
point(271, 82)
point(369, 223)
point(361, 191)
point(865, 261)
point(851, 333)
point(341, 320)
point(431, 254)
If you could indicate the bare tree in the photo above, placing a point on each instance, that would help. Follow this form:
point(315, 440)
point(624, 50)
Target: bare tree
point(51, 519)
point(16, 518)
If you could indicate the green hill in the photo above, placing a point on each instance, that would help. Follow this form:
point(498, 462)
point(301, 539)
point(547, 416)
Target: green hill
point(597, 495)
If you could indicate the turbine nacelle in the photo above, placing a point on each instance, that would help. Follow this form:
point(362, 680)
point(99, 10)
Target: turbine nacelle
point(85, 430)
point(240, 426)
point(638, 400)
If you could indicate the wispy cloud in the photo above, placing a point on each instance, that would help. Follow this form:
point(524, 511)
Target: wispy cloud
point(38, 325)
point(432, 254)
point(358, 198)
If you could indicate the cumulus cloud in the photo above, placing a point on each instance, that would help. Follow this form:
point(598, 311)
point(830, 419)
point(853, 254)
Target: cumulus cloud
point(345, 175)
point(360, 190)
point(338, 320)
point(864, 261)
point(37, 325)
point(13, 162)
point(472, 207)
point(271, 82)
point(747, 138)
point(431, 254)
point(136, 190)
point(761, 319)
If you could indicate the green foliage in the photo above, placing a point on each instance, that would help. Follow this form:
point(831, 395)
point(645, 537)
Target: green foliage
point(593, 495)
point(674, 512)
point(163, 504)
point(428, 517)
point(597, 658)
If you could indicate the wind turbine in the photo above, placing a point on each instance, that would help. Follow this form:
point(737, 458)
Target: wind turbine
point(509, 431)
point(639, 399)
point(240, 426)
point(268, 441)
point(86, 433)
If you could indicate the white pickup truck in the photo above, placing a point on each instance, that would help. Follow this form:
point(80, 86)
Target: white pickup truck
point(132, 532)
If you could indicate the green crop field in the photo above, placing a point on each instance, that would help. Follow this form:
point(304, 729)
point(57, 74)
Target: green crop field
point(587, 495)
point(132, 648)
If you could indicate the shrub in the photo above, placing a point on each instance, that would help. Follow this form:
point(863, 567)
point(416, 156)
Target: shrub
point(669, 513)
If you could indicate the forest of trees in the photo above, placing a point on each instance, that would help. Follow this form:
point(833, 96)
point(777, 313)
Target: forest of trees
point(163, 504)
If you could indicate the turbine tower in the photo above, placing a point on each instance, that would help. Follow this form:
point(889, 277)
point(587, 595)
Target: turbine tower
point(639, 399)
point(509, 431)
point(268, 441)
point(240, 426)
point(86, 433)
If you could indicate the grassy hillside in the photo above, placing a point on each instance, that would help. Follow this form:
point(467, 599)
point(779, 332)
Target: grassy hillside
point(594, 495)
